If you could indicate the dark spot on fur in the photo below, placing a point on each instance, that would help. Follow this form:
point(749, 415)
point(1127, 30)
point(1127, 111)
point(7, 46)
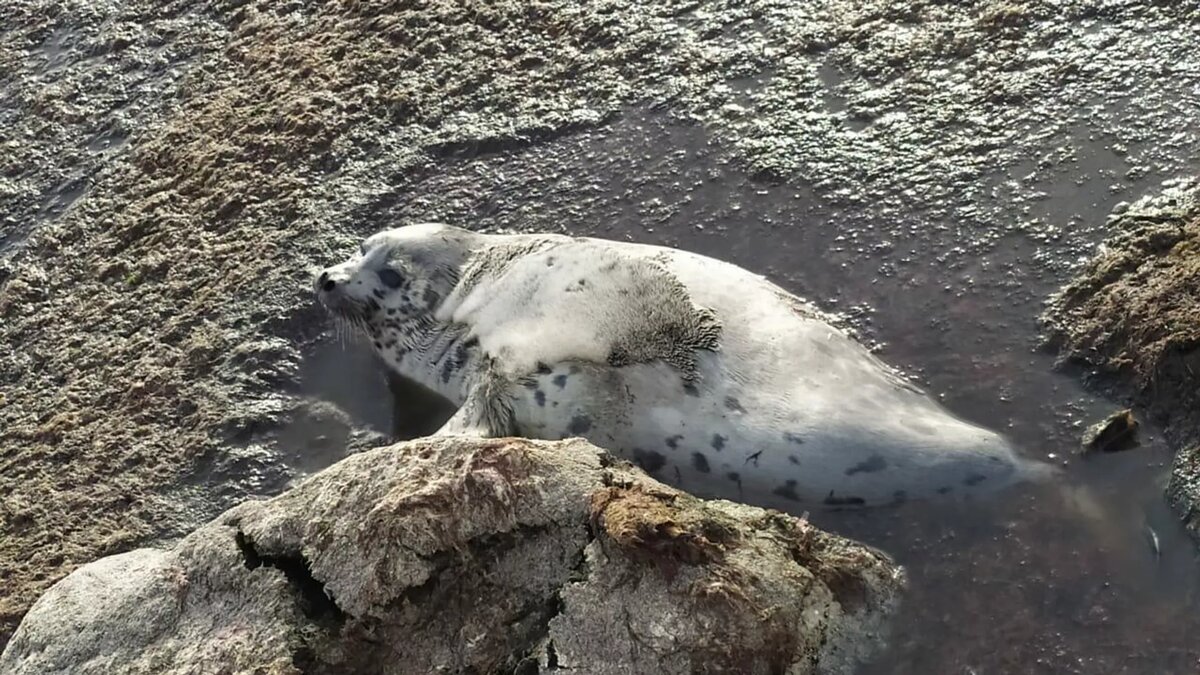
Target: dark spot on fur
point(431, 297)
point(673, 441)
point(871, 465)
point(543, 369)
point(579, 424)
point(734, 476)
point(731, 403)
point(975, 479)
point(787, 491)
point(700, 462)
point(831, 500)
point(945, 490)
point(529, 383)
point(793, 438)
point(793, 459)
point(540, 397)
point(690, 389)
point(391, 311)
point(378, 344)
point(718, 442)
point(560, 381)
point(753, 458)
point(649, 460)
point(448, 369)
point(377, 293)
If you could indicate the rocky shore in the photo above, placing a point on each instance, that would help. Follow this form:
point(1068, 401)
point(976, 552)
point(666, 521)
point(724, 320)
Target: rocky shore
point(1131, 321)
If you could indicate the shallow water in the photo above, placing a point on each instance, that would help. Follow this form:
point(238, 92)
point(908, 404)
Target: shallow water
point(1057, 578)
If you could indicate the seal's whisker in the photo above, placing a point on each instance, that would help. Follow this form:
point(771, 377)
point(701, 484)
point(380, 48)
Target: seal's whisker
point(346, 330)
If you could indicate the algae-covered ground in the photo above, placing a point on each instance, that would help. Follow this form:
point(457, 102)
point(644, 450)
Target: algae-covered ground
point(172, 172)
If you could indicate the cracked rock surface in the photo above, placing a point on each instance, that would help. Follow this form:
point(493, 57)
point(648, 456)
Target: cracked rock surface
point(461, 555)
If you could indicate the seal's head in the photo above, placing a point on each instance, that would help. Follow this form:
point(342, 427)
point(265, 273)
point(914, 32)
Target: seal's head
point(398, 276)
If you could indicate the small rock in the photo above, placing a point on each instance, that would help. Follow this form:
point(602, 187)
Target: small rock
point(1116, 433)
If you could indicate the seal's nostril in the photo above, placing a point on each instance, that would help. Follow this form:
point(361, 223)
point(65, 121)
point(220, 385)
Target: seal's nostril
point(328, 285)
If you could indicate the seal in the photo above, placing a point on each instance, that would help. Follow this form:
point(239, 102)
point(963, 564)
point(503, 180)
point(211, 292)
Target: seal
point(706, 375)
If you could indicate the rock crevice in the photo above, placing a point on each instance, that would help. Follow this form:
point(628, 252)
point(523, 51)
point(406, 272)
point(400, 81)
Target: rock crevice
point(314, 599)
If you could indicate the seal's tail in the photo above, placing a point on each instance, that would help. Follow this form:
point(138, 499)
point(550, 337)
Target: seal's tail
point(1034, 471)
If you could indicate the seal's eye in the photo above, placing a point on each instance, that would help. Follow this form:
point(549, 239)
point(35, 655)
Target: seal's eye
point(390, 278)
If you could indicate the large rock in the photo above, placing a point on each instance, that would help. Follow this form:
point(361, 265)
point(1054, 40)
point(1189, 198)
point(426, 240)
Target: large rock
point(453, 555)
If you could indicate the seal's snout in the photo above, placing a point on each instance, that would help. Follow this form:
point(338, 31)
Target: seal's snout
point(334, 289)
point(331, 281)
point(325, 283)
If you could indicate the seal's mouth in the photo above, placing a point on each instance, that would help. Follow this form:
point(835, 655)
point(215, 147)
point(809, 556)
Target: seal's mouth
point(345, 309)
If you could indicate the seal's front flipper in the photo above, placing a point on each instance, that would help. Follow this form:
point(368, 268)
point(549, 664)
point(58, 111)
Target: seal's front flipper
point(464, 423)
point(487, 411)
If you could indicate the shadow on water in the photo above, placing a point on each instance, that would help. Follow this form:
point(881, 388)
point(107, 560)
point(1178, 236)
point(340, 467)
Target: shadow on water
point(348, 374)
point(1056, 578)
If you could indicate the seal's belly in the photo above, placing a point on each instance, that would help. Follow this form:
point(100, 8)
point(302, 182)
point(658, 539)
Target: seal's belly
point(679, 433)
